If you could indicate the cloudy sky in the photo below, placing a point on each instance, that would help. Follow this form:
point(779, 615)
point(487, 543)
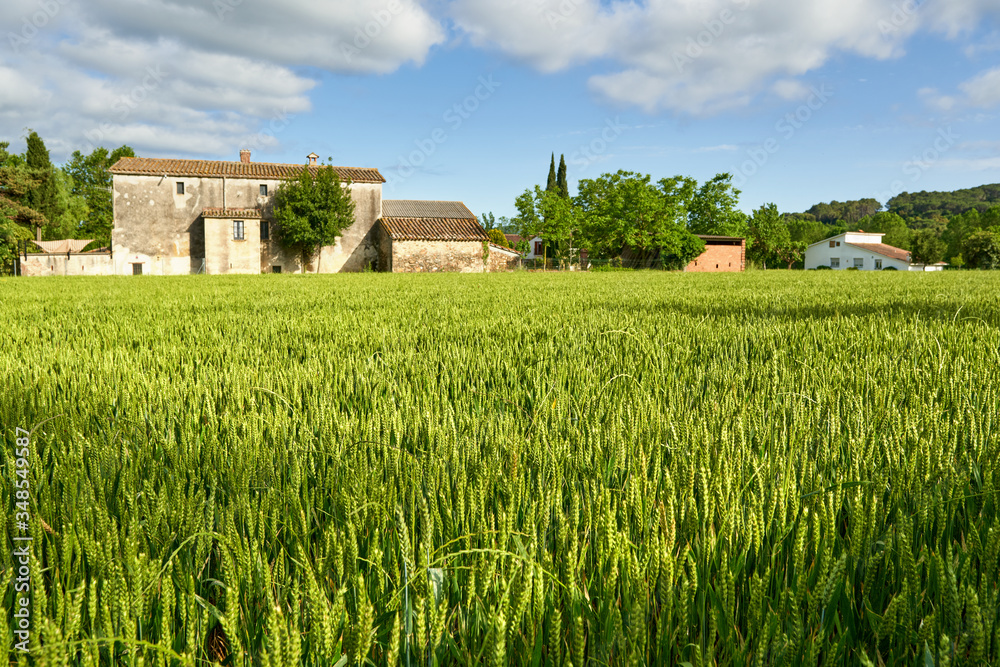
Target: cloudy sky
point(802, 100)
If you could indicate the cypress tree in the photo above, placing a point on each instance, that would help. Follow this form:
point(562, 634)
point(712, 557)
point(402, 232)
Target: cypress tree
point(552, 184)
point(42, 198)
point(561, 183)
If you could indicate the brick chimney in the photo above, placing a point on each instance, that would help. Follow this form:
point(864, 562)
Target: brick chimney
point(245, 156)
point(312, 159)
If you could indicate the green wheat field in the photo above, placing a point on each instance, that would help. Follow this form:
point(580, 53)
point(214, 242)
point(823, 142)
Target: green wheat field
point(780, 468)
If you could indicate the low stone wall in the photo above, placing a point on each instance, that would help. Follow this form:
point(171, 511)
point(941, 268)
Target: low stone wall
point(437, 256)
point(502, 259)
point(76, 264)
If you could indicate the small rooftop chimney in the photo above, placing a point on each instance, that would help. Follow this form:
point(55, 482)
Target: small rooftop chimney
point(245, 155)
point(312, 159)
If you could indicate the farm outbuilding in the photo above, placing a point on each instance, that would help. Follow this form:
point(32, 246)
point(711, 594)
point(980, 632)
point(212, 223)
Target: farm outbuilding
point(436, 236)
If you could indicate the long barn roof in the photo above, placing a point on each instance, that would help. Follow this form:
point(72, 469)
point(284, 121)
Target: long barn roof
point(142, 166)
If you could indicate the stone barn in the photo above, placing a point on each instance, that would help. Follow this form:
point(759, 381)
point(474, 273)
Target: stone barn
point(428, 236)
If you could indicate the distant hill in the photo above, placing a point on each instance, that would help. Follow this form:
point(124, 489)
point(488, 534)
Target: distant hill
point(918, 209)
point(933, 204)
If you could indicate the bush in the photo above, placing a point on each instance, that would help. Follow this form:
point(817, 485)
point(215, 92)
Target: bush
point(890, 268)
point(852, 268)
point(823, 268)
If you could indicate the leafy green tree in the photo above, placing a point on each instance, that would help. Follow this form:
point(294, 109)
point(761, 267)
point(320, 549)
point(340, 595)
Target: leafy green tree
point(16, 219)
point(488, 221)
point(311, 211)
point(714, 209)
point(982, 250)
point(546, 214)
point(497, 237)
point(803, 228)
point(927, 247)
point(561, 183)
point(626, 211)
point(73, 210)
point(92, 180)
point(768, 235)
point(897, 234)
point(43, 197)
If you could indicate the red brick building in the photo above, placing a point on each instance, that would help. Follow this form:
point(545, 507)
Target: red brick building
point(722, 254)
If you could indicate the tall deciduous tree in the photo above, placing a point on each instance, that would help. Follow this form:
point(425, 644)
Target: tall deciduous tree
point(768, 235)
point(982, 250)
point(714, 209)
point(547, 214)
point(311, 211)
point(926, 247)
point(92, 180)
point(626, 211)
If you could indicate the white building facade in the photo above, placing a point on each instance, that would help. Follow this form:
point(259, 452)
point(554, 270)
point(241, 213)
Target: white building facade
point(863, 251)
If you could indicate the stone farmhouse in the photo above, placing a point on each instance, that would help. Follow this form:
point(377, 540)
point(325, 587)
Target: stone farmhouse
point(179, 217)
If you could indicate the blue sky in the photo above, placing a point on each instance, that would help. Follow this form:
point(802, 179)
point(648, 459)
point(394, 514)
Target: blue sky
point(466, 99)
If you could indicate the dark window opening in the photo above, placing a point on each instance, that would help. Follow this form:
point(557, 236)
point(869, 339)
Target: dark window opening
point(237, 230)
point(265, 230)
point(275, 269)
point(180, 187)
point(263, 190)
point(137, 269)
point(538, 247)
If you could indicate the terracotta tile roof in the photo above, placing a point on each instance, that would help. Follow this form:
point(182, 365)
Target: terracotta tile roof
point(885, 250)
point(502, 249)
point(252, 213)
point(512, 239)
point(253, 170)
point(408, 208)
point(434, 229)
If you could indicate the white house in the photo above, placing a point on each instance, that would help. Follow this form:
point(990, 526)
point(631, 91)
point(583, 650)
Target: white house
point(863, 251)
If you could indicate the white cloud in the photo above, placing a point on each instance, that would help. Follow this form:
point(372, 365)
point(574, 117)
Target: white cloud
point(701, 57)
point(982, 91)
point(188, 76)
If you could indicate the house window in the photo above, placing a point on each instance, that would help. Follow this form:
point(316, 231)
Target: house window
point(538, 247)
point(833, 244)
point(265, 230)
point(263, 190)
point(878, 264)
point(859, 262)
point(275, 269)
point(834, 262)
point(137, 269)
point(180, 187)
point(237, 230)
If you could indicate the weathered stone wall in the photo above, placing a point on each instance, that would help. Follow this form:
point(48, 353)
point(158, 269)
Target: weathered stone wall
point(77, 264)
point(502, 259)
point(224, 254)
point(720, 259)
point(154, 224)
point(433, 256)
